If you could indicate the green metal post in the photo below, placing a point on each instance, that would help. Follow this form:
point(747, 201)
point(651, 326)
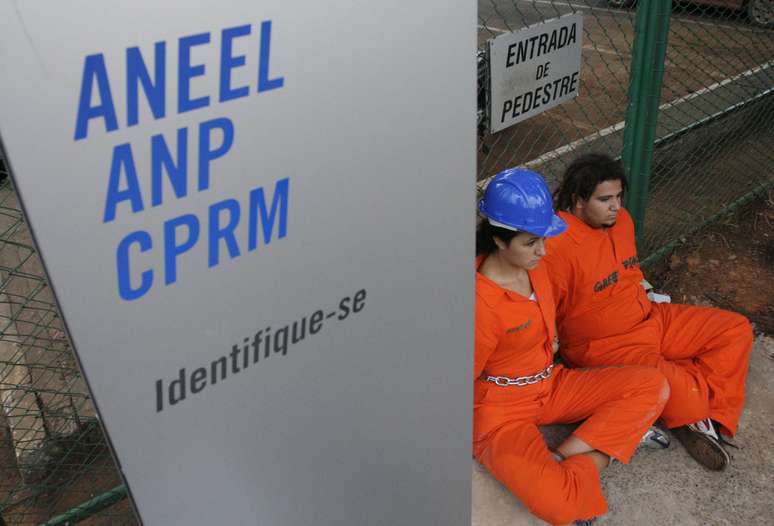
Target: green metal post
point(662, 11)
point(629, 156)
point(89, 508)
point(652, 32)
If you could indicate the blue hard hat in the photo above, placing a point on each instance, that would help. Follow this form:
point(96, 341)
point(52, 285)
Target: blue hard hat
point(519, 199)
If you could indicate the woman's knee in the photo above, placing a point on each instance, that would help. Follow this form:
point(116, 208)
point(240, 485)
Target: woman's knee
point(653, 385)
point(664, 391)
point(652, 379)
point(738, 324)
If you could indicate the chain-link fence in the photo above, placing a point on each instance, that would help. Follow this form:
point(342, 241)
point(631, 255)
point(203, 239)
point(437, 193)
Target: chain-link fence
point(592, 121)
point(53, 456)
point(715, 134)
point(714, 149)
point(716, 119)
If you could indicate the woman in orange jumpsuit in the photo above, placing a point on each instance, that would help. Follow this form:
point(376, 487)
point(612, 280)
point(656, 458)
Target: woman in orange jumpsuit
point(517, 386)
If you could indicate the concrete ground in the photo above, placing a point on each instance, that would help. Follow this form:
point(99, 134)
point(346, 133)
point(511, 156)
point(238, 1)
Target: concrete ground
point(668, 487)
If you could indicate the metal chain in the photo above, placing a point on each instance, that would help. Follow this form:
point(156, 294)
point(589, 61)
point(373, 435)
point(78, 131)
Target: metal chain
point(504, 381)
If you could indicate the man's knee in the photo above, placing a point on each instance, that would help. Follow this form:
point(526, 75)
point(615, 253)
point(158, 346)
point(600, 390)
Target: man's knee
point(737, 327)
point(742, 324)
point(741, 319)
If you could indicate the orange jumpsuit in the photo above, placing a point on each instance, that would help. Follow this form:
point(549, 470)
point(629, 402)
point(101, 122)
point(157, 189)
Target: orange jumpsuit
point(605, 318)
point(513, 338)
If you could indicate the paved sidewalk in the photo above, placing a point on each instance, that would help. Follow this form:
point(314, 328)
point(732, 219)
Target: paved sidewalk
point(668, 487)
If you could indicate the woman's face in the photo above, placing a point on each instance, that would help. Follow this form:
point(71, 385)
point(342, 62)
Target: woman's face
point(525, 250)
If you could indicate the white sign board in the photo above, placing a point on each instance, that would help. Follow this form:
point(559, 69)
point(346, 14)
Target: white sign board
point(534, 69)
point(255, 217)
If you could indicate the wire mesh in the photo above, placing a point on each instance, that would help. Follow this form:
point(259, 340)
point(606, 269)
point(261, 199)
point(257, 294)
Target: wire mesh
point(53, 455)
point(716, 124)
point(714, 134)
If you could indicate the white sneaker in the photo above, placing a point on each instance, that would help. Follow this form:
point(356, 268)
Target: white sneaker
point(654, 438)
point(704, 427)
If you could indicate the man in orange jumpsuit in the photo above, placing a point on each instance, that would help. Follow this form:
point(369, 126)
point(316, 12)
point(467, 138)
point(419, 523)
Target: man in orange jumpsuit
point(517, 386)
point(605, 317)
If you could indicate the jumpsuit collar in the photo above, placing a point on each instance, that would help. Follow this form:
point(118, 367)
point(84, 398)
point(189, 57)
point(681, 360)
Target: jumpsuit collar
point(577, 229)
point(491, 292)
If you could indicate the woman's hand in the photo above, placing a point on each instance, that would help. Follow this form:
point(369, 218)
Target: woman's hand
point(555, 344)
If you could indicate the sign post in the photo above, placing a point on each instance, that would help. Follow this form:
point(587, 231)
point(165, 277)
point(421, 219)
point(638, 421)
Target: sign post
point(255, 218)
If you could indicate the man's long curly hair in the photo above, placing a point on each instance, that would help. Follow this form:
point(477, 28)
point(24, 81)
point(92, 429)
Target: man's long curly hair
point(582, 177)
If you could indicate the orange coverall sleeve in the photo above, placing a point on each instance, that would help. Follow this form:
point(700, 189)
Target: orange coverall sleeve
point(559, 277)
point(487, 335)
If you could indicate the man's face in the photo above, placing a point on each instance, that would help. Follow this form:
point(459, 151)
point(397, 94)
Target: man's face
point(601, 209)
